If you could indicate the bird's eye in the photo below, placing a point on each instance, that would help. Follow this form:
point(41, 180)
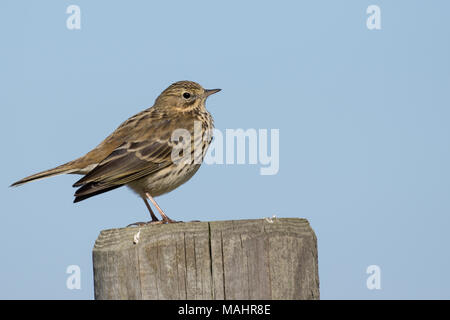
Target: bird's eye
point(186, 95)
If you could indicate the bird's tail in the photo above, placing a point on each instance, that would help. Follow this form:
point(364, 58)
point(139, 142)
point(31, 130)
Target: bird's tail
point(65, 168)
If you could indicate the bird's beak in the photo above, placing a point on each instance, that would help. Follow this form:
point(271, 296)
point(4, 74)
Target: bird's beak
point(209, 92)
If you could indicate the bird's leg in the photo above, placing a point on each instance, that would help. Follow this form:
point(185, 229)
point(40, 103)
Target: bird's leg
point(155, 220)
point(152, 214)
point(163, 215)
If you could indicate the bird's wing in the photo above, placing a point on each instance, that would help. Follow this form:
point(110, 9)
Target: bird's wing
point(130, 161)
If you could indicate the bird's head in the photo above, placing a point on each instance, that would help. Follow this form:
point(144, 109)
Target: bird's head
point(184, 96)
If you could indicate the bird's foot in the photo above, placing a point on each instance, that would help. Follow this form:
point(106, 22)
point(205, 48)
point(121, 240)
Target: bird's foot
point(153, 222)
point(166, 219)
point(140, 224)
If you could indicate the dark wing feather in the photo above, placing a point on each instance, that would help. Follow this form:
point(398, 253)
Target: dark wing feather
point(130, 161)
point(94, 193)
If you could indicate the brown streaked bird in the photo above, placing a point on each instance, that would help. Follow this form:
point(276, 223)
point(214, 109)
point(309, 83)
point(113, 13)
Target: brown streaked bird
point(139, 152)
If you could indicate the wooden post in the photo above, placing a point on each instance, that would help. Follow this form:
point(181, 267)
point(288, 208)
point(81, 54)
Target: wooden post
point(241, 259)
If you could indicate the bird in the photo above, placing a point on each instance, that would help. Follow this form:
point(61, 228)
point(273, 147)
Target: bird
point(143, 153)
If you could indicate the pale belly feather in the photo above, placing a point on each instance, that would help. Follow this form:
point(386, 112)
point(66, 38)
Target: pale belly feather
point(164, 180)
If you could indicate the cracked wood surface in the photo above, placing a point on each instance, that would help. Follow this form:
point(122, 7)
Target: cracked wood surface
point(238, 259)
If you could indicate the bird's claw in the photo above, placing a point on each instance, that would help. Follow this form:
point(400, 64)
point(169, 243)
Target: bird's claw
point(140, 224)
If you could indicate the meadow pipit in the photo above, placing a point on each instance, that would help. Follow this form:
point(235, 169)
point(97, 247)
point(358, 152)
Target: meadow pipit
point(139, 152)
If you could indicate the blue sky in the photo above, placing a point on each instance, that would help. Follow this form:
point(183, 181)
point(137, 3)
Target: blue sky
point(362, 115)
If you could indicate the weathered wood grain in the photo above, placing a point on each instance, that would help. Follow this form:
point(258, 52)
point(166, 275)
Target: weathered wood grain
point(240, 259)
